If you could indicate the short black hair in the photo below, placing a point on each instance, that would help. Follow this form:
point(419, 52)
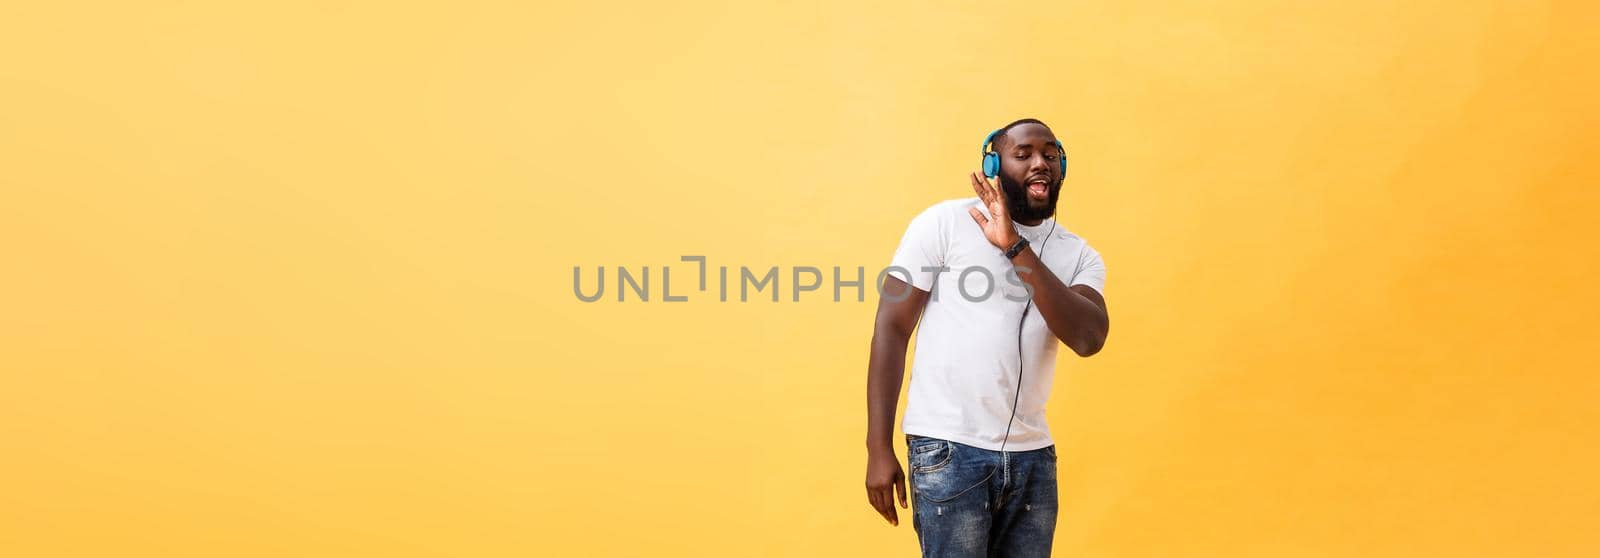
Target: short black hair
point(1008, 127)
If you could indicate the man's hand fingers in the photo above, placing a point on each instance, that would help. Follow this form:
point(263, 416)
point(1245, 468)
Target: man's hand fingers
point(887, 497)
point(991, 187)
point(990, 193)
point(981, 186)
point(875, 495)
point(900, 487)
point(883, 472)
point(883, 501)
point(978, 216)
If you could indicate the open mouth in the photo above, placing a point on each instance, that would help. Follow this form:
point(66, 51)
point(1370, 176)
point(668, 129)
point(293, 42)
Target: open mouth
point(1039, 187)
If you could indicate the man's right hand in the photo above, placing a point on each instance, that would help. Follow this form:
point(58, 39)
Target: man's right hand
point(898, 310)
point(885, 481)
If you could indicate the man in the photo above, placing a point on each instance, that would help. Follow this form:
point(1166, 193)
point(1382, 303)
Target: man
point(996, 284)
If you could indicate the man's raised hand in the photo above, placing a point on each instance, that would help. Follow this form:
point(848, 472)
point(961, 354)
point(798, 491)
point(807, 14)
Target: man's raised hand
point(996, 228)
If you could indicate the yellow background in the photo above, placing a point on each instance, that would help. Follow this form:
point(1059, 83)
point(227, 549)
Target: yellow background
point(295, 280)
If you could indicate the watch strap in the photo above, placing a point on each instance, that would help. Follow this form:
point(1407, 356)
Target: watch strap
point(1022, 244)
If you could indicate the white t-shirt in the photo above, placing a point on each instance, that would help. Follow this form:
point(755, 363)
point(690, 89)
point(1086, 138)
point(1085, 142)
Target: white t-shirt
point(964, 370)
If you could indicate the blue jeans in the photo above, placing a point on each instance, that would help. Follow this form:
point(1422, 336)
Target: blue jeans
point(971, 501)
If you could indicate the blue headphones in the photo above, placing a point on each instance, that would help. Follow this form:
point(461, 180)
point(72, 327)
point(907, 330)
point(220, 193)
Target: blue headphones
point(991, 159)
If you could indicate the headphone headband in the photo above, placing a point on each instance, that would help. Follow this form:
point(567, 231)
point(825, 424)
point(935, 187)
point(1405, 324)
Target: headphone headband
point(989, 139)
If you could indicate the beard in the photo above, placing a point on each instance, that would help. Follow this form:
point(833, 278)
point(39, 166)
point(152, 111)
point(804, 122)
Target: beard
point(1021, 207)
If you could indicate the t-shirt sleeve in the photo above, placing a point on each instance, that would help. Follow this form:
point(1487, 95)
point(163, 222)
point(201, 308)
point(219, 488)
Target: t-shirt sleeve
point(923, 246)
point(1091, 271)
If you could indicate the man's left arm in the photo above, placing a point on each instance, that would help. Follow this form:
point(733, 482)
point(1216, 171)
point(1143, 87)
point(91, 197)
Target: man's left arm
point(1076, 314)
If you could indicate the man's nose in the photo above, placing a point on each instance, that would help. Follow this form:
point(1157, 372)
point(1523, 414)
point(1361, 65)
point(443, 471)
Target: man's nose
point(1038, 164)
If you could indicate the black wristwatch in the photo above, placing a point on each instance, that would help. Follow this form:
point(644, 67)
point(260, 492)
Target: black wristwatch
point(1022, 244)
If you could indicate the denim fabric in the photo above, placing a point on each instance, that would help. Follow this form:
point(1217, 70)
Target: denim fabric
point(970, 501)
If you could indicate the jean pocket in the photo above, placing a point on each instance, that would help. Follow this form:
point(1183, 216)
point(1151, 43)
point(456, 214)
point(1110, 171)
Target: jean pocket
point(945, 473)
point(929, 454)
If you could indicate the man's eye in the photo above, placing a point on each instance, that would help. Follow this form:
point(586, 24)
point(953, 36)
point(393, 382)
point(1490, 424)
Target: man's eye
point(1050, 157)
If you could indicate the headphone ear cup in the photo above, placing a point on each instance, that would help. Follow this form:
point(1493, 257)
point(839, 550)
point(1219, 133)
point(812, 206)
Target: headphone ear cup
point(1063, 150)
point(991, 164)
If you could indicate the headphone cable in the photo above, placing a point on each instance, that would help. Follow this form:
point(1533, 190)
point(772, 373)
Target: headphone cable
point(1025, 307)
